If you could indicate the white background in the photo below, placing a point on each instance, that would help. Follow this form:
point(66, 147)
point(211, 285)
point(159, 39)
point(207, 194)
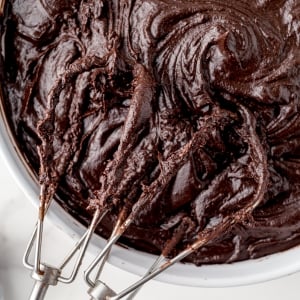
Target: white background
point(17, 218)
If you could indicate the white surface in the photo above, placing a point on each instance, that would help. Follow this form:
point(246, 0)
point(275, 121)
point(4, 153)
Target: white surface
point(17, 217)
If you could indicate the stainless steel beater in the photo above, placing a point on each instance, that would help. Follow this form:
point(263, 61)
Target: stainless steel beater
point(46, 275)
point(100, 291)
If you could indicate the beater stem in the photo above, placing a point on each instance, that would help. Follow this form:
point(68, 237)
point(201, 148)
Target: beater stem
point(157, 262)
point(96, 219)
point(156, 272)
point(37, 257)
point(105, 250)
point(39, 291)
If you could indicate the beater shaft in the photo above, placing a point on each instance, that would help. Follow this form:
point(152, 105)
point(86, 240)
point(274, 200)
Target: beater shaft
point(39, 291)
point(48, 276)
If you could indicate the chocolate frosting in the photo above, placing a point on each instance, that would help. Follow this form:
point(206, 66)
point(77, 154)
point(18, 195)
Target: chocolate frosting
point(181, 112)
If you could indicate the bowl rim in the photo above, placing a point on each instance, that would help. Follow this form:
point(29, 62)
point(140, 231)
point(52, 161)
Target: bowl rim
point(137, 262)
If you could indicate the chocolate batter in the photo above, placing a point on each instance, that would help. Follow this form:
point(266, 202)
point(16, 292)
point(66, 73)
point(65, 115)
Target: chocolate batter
point(188, 108)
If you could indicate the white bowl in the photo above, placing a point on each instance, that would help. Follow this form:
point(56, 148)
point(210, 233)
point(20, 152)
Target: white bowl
point(137, 262)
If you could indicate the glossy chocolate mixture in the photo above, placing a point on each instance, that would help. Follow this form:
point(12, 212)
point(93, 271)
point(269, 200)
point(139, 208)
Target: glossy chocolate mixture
point(188, 108)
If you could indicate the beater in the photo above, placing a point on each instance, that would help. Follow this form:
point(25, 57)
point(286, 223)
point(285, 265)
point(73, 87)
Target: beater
point(46, 275)
point(100, 291)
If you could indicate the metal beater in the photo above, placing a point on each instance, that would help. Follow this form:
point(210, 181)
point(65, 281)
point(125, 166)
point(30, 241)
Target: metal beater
point(46, 275)
point(100, 291)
